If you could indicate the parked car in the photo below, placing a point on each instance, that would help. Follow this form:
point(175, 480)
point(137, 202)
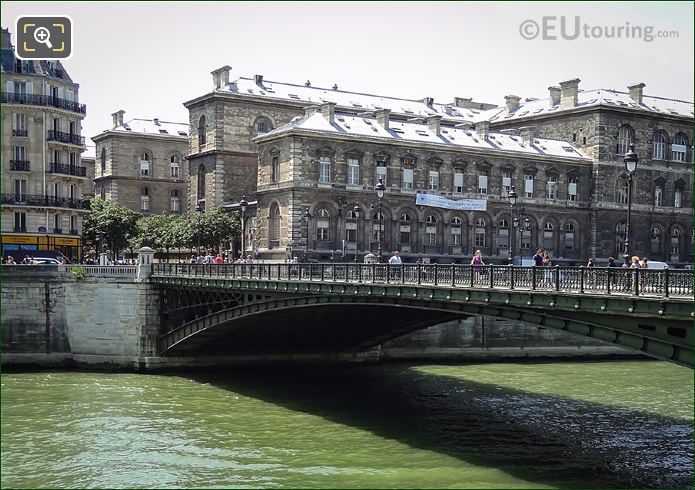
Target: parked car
point(655, 264)
point(45, 261)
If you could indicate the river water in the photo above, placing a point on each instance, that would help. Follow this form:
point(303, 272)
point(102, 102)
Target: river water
point(538, 425)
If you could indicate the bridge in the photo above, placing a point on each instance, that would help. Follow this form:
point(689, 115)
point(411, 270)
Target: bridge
point(249, 309)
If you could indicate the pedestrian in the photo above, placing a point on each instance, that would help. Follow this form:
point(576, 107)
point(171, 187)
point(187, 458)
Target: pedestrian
point(611, 262)
point(10, 260)
point(193, 259)
point(395, 258)
point(590, 263)
point(645, 263)
point(219, 259)
point(477, 261)
point(538, 258)
point(547, 263)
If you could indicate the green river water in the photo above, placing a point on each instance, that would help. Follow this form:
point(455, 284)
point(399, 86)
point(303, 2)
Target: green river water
point(532, 425)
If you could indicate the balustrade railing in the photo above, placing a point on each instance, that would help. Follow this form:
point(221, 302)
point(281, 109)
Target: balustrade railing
point(104, 270)
point(596, 280)
point(43, 100)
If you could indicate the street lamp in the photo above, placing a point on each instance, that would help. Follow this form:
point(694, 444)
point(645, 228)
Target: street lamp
point(356, 210)
point(380, 188)
point(630, 160)
point(198, 212)
point(514, 222)
point(242, 206)
point(307, 218)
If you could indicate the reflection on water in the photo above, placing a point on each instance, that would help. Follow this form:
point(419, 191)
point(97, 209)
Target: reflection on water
point(609, 424)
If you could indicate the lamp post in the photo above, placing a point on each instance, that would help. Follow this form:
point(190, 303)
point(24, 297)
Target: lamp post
point(356, 210)
point(514, 223)
point(242, 207)
point(307, 218)
point(198, 212)
point(380, 189)
point(630, 160)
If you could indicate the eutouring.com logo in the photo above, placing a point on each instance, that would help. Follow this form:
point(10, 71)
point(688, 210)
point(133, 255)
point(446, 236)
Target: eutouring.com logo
point(553, 28)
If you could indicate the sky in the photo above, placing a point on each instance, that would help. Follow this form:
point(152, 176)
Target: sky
point(148, 58)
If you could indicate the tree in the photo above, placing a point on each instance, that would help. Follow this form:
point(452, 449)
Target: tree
point(213, 227)
point(114, 223)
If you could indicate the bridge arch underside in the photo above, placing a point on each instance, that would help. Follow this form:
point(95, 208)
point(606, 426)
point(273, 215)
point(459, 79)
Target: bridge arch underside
point(344, 323)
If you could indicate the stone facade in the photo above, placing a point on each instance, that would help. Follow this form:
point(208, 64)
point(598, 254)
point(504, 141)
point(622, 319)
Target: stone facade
point(43, 177)
point(141, 165)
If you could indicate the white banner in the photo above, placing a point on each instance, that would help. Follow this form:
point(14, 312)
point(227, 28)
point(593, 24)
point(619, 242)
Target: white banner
point(443, 202)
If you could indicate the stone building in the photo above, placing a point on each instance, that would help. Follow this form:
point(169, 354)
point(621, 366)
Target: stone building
point(317, 174)
point(224, 160)
point(140, 164)
point(43, 178)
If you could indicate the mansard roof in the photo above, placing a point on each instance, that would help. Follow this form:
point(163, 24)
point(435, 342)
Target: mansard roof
point(153, 127)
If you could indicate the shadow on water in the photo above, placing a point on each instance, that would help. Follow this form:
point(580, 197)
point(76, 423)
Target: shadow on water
point(548, 440)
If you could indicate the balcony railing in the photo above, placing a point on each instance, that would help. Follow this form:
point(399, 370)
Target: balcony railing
point(58, 231)
point(67, 169)
point(43, 100)
point(20, 132)
point(42, 200)
point(19, 165)
point(73, 139)
point(20, 229)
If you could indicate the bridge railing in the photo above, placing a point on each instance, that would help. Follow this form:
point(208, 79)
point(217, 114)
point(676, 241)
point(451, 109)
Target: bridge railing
point(103, 270)
point(664, 283)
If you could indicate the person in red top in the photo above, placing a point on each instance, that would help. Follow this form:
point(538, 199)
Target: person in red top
point(219, 259)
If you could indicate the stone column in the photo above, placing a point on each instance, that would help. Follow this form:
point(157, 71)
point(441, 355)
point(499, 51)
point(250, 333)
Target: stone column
point(145, 258)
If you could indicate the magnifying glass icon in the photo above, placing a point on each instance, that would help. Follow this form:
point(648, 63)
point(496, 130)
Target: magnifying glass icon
point(43, 36)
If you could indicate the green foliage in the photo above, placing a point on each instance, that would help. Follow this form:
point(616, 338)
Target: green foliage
point(214, 226)
point(78, 272)
point(116, 223)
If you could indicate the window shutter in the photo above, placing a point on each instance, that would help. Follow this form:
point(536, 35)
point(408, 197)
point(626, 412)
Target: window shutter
point(458, 180)
point(528, 186)
point(573, 188)
point(407, 175)
point(482, 181)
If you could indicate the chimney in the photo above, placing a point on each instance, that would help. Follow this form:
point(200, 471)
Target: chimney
point(433, 124)
point(428, 101)
point(568, 93)
point(258, 79)
point(307, 83)
point(636, 92)
point(118, 118)
point(310, 110)
point(554, 95)
point(528, 135)
point(328, 111)
point(512, 102)
point(382, 117)
point(220, 77)
point(6, 39)
point(156, 121)
point(335, 86)
point(463, 102)
point(483, 129)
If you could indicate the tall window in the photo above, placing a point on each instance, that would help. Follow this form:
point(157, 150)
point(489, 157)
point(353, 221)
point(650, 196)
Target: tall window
point(274, 226)
point(675, 244)
point(678, 198)
point(377, 220)
point(20, 190)
point(381, 172)
point(621, 191)
point(274, 169)
point(480, 238)
point(323, 225)
point(73, 158)
point(503, 237)
point(72, 192)
point(73, 225)
point(658, 196)
point(19, 125)
point(456, 231)
point(145, 165)
point(408, 173)
point(659, 151)
point(20, 221)
point(620, 235)
point(175, 201)
point(201, 182)
point(353, 171)
point(351, 226)
point(57, 223)
point(56, 190)
point(624, 140)
point(103, 160)
point(145, 199)
point(19, 153)
point(458, 181)
point(655, 241)
point(325, 169)
point(528, 185)
point(548, 236)
point(433, 180)
point(483, 176)
point(405, 229)
point(572, 189)
point(506, 181)
point(569, 237)
point(202, 132)
point(431, 230)
point(551, 187)
point(56, 156)
point(175, 168)
point(526, 239)
point(679, 148)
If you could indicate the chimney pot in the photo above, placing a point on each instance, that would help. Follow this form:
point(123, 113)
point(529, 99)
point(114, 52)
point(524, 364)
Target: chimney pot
point(335, 86)
point(328, 111)
point(568, 93)
point(528, 134)
point(220, 77)
point(307, 83)
point(428, 101)
point(554, 95)
point(258, 79)
point(636, 92)
point(382, 117)
point(483, 129)
point(118, 118)
point(512, 102)
point(434, 124)
point(156, 121)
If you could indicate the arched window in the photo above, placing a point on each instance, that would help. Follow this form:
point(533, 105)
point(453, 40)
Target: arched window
point(504, 232)
point(621, 191)
point(175, 169)
point(202, 132)
point(262, 127)
point(103, 160)
point(678, 197)
point(655, 241)
point(569, 237)
point(274, 226)
point(431, 230)
point(480, 238)
point(201, 182)
point(456, 230)
point(679, 148)
point(145, 165)
point(406, 228)
point(658, 195)
point(548, 236)
point(659, 150)
point(323, 225)
point(620, 237)
point(624, 140)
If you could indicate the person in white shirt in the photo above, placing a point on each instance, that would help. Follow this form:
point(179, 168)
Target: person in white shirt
point(395, 258)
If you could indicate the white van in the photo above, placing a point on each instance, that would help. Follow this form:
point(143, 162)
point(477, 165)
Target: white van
point(655, 264)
